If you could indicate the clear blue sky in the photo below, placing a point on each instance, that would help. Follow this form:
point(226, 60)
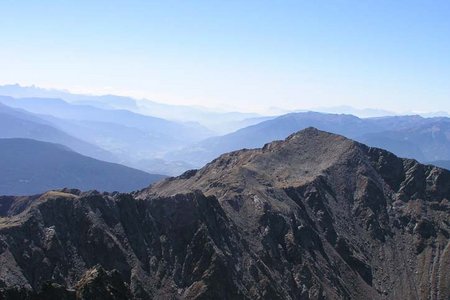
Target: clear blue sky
point(249, 55)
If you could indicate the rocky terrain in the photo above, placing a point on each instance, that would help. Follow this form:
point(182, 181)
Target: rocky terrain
point(316, 216)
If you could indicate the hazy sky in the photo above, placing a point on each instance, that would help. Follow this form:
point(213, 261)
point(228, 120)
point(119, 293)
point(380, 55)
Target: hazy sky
point(249, 55)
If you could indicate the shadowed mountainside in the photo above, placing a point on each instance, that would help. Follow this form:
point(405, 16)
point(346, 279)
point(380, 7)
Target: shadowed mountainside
point(29, 167)
point(316, 216)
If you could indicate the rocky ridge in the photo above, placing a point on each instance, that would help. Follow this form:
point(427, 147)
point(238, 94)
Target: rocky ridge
point(316, 216)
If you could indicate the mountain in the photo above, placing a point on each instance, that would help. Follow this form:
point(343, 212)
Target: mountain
point(30, 167)
point(16, 123)
point(105, 101)
point(316, 216)
point(279, 128)
point(155, 126)
point(424, 139)
point(218, 121)
point(362, 113)
point(130, 137)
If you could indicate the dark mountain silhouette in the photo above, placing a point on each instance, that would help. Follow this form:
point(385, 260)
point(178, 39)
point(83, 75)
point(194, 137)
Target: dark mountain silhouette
point(316, 216)
point(30, 167)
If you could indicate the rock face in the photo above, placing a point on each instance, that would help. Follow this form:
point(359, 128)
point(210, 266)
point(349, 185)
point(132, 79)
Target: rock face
point(316, 216)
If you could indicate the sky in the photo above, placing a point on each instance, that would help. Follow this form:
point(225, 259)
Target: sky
point(256, 56)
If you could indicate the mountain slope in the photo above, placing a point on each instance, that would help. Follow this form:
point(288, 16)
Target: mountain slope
point(257, 135)
point(321, 204)
point(15, 123)
point(215, 120)
point(130, 137)
point(424, 139)
point(159, 128)
point(316, 216)
point(30, 167)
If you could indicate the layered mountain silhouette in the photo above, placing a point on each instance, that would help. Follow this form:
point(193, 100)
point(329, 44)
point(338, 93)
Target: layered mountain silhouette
point(127, 136)
point(126, 130)
point(156, 127)
point(316, 216)
point(29, 167)
point(424, 139)
point(16, 123)
point(215, 120)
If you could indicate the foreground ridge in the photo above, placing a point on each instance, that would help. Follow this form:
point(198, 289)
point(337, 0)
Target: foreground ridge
point(316, 216)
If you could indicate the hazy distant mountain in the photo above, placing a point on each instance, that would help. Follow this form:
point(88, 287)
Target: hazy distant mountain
point(218, 121)
point(425, 139)
point(131, 137)
point(29, 166)
point(161, 166)
point(106, 101)
point(15, 123)
point(275, 129)
point(395, 143)
point(62, 109)
point(362, 113)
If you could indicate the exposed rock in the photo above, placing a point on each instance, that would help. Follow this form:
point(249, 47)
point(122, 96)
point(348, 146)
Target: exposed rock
point(316, 216)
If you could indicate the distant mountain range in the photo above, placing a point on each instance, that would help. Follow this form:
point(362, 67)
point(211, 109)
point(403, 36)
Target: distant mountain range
point(425, 139)
point(29, 167)
point(110, 128)
point(218, 121)
point(120, 135)
point(16, 123)
point(362, 113)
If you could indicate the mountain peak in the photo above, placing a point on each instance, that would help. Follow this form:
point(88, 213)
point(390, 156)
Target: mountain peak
point(315, 216)
point(311, 135)
point(340, 196)
point(298, 159)
point(304, 157)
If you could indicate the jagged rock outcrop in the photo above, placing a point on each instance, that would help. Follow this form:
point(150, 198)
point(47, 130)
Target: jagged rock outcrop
point(316, 216)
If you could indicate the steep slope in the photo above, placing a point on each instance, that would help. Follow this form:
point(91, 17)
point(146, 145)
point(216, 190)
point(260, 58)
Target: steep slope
point(357, 207)
point(16, 123)
point(29, 167)
point(316, 216)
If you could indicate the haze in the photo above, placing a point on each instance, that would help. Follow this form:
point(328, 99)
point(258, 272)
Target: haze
point(258, 56)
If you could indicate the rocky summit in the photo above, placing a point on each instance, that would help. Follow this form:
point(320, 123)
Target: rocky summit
point(316, 216)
